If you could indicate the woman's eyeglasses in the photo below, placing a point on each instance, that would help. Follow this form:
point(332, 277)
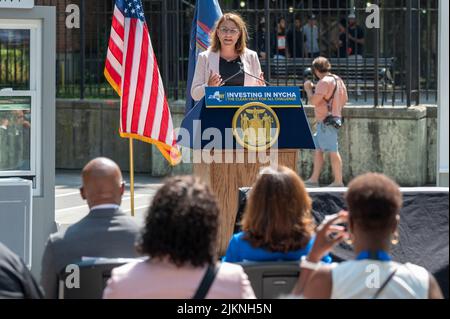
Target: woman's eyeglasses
point(225, 30)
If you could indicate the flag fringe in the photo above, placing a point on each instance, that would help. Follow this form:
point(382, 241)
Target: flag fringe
point(171, 154)
point(111, 82)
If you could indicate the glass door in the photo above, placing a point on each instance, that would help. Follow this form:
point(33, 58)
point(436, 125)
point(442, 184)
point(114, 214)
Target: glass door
point(20, 99)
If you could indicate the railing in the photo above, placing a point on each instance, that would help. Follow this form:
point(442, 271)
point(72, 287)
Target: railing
point(407, 36)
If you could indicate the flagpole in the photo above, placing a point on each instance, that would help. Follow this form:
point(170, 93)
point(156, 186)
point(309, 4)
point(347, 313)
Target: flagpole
point(131, 176)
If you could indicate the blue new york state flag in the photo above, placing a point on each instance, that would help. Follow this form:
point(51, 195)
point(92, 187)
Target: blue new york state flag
point(207, 12)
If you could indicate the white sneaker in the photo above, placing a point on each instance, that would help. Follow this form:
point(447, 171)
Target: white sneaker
point(336, 185)
point(310, 184)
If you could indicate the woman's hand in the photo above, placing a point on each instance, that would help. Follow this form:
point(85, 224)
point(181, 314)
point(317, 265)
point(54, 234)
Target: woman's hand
point(328, 235)
point(214, 79)
point(262, 81)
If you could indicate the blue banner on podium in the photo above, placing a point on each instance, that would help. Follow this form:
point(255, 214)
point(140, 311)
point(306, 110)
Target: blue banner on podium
point(234, 97)
point(254, 118)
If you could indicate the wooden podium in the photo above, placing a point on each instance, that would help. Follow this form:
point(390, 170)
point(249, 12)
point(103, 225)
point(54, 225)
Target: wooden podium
point(236, 112)
point(226, 178)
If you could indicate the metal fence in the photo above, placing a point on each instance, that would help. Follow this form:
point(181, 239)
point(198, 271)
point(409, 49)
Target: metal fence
point(397, 64)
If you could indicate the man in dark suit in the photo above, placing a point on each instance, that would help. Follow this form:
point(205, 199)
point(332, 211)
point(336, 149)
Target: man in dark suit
point(105, 232)
point(16, 281)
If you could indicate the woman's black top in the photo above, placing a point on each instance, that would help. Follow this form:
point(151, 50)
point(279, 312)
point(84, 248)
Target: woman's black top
point(228, 69)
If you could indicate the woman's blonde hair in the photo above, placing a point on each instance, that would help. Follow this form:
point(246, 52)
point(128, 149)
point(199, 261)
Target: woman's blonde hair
point(241, 43)
point(278, 213)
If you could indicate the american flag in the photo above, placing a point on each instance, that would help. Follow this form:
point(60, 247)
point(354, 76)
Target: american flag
point(132, 70)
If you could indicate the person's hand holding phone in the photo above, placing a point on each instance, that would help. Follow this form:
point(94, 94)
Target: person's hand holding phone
point(328, 234)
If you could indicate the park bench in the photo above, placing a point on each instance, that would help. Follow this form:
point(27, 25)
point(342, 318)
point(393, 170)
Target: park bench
point(357, 73)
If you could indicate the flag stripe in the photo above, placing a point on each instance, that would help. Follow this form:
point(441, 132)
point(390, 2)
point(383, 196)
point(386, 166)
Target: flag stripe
point(152, 101)
point(147, 92)
point(126, 82)
point(116, 52)
point(141, 83)
point(165, 117)
point(116, 39)
point(119, 16)
point(117, 27)
point(158, 111)
point(170, 136)
point(114, 63)
point(134, 72)
point(114, 84)
point(115, 76)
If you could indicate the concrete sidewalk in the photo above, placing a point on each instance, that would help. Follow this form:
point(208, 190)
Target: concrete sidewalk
point(70, 207)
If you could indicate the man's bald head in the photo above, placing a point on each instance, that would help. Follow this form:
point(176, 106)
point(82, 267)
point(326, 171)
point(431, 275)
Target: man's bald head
point(102, 182)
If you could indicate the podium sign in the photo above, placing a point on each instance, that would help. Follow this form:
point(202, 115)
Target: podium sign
point(255, 118)
point(234, 97)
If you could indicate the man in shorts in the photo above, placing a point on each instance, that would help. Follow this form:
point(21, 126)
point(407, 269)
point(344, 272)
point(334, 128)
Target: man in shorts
point(328, 96)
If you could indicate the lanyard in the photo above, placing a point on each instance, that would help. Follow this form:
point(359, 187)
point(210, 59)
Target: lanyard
point(376, 255)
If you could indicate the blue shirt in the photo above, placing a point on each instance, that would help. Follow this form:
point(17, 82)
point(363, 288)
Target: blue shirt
point(312, 38)
point(240, 249)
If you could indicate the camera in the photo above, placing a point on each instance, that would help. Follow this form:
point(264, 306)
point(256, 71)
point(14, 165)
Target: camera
point(333, 121)
point(308, 74)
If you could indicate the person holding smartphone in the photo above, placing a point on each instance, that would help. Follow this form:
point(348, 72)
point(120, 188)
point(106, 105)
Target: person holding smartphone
point(374, 203)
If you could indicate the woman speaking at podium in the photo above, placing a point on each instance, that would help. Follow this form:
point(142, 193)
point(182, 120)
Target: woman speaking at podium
point(227, 61)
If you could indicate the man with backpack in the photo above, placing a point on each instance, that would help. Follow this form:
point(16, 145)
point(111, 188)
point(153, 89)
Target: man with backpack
point(328, 96)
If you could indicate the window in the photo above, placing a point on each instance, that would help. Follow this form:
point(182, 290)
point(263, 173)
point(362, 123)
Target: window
point(20, 99)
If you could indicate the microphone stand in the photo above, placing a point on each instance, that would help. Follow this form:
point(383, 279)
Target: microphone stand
point(232, 77)
point(251, 75)
point(223, 83)
point(241, 70)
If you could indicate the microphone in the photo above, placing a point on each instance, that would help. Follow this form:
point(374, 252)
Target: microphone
point(241, 67)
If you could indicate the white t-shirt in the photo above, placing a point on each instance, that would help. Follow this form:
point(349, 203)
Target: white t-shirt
point(360, 279)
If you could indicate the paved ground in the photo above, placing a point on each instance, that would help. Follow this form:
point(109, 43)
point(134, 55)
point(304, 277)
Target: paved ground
point(70, 207)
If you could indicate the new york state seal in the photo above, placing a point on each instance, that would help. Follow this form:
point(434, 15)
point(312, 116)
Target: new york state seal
point(256, 126)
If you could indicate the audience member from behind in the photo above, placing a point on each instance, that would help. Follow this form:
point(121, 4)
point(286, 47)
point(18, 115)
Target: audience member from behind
point(374, 203)
point(16, 281)
point(180, 237)
point(105, 232)
point(277, 223)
